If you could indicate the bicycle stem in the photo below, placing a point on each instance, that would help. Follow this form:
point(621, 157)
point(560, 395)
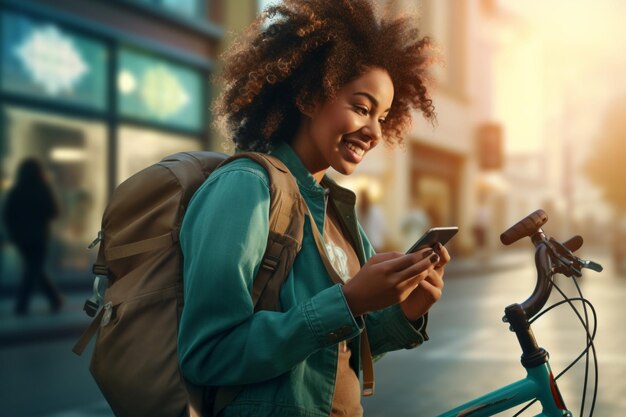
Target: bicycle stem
point(532, 354)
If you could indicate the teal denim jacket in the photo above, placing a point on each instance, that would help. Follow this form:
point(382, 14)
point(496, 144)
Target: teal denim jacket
point(286, 359)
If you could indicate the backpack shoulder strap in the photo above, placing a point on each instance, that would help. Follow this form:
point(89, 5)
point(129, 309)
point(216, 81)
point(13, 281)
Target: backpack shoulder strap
point(286, 222)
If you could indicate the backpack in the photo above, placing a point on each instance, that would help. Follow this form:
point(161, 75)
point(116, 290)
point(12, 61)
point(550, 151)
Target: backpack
point(138, 289)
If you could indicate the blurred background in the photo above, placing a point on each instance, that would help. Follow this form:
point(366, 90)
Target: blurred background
point(531, 104)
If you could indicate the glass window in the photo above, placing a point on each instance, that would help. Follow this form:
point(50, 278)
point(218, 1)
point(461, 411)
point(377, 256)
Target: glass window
point(191, 8)
point(264, 4)
point(187, 8)
point(73, 154)
point(153, 89)
point(139, 148)
point(44, 60)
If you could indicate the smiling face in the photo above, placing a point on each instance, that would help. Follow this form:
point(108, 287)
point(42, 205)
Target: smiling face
point(339, 132)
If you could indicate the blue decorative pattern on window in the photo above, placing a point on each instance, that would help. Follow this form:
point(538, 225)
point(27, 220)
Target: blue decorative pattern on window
point(156, 90)
point(44, 60)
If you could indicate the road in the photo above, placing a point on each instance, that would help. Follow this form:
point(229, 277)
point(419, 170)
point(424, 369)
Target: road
point(470, 352)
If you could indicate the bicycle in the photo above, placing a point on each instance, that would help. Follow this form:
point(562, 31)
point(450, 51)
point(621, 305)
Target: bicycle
point(551, 258)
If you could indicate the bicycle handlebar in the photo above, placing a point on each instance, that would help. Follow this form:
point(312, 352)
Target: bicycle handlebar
point(551, 257)
point(525, 227)
point(543, 287)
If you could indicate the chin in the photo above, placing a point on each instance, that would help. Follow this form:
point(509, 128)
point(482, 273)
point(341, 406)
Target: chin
point(345, 168)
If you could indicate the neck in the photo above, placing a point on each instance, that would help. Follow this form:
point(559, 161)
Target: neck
point(308, 153)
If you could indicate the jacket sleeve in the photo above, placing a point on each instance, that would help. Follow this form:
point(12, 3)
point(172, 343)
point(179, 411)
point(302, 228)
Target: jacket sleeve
point(389, 329)
point(221, 340)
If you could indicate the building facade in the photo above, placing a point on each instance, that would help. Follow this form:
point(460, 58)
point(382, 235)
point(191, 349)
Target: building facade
point(429, 181)
point(97, 90)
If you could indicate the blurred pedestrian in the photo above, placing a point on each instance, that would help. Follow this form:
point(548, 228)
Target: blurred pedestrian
point(481, 227)
point(372, 219)
point(414, 224)
point(30, 207)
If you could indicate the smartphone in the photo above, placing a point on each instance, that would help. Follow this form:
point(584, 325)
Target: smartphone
point(434, 235)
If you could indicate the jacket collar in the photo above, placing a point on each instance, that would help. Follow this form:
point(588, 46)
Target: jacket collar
point(305, 180)
point(343, 199)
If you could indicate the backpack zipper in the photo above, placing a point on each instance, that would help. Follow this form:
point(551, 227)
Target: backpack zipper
point(108, 313)
point(97, 240)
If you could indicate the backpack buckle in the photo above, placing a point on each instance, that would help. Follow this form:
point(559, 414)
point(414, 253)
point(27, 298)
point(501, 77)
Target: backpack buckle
point(100, 270)
point(270, 263)
point(93, 303)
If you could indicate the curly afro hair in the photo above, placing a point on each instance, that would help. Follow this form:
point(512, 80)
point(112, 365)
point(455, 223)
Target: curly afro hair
point(304, 50)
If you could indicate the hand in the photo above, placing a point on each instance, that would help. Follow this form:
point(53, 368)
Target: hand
point(387, 279)
point(429, 290)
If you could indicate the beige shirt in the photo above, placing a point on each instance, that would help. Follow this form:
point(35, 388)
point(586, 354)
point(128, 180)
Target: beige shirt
point(347, 396)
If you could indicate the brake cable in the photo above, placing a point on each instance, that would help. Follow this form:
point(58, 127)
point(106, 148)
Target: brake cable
point(589, 345)
point(571, 266)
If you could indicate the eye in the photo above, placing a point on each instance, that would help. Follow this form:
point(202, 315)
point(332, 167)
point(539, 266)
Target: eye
point(362, 110)
point(382, 121)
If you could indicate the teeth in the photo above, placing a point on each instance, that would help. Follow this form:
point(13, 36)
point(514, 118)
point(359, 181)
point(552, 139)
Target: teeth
point(355, 149)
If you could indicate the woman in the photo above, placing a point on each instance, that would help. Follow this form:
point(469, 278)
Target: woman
point(317, 84)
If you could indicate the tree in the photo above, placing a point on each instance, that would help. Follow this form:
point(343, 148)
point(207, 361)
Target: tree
point(606, 166)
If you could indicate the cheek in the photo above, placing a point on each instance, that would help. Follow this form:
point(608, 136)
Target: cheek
point(340, 123)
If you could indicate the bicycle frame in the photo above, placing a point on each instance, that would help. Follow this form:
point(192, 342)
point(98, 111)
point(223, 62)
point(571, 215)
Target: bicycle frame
point(539, 382)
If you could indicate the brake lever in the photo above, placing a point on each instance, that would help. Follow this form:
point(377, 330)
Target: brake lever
point(569, 261)
point(592, 265)
point(560, 249)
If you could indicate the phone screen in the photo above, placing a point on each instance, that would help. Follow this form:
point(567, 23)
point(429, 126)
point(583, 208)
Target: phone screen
point(434, 235)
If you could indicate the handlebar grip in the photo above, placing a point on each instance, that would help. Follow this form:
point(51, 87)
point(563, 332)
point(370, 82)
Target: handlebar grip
point(525, 227)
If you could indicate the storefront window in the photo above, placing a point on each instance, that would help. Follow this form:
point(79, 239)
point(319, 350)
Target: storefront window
point(434, 189)
point(264, 4)
point(43, 60)
point(156, 90)
point(73, 154)
point(140, 148)
point(187, 8)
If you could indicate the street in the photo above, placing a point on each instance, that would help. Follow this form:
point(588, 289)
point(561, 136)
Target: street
point(470, 352)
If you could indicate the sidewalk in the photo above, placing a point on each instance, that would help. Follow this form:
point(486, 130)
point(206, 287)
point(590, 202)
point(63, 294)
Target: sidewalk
point(41, 325)
point(71, 321)
point(500, 261)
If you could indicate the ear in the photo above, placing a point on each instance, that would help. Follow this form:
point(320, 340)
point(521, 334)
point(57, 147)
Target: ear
point(308, 107)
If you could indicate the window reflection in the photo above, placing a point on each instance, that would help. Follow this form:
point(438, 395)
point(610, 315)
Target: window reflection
point(187, 8)
point(139, 148)
point(157, 90)
point(40, 59)
point(73, 153)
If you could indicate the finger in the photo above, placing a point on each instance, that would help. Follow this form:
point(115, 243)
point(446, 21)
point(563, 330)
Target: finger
point(443, 254)
point(409, 285)
point(425, 251)
point(384, 257)
point(425, 265)
point(435, 278)
point(432, 292)
point(402, 262)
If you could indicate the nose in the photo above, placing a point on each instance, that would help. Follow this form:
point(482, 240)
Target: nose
point(373, 131)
